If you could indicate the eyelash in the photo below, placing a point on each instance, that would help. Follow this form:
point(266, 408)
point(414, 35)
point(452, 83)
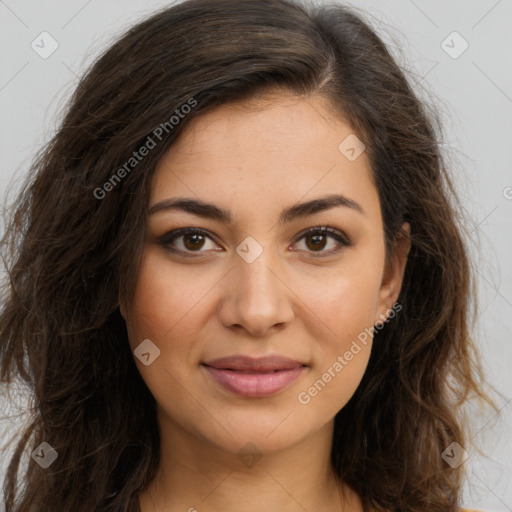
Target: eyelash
point(166, 240)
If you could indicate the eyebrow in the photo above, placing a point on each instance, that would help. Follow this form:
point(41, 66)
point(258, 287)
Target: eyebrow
point(211, 211)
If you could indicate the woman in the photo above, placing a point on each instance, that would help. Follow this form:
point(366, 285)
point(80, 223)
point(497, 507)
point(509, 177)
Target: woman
point(237, 277)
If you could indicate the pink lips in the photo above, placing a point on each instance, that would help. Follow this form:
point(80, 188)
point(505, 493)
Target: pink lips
point(251, 377)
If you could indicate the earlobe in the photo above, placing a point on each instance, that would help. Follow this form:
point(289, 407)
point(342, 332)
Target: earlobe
point(393, 273)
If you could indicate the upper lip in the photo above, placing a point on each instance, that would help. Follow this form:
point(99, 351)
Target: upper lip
point(261, 364)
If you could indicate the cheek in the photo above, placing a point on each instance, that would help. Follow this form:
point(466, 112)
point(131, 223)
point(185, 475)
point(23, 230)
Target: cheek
point(164, 310)
point(345, 300)
point(345, 303)
point(165, 298)
point(340, 359)
point(332, 385)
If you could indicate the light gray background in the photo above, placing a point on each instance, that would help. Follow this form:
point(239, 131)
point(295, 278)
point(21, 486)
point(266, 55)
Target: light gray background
point(474, 92)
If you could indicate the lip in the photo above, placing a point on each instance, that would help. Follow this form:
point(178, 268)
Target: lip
point(254, 377)
point(254, 364)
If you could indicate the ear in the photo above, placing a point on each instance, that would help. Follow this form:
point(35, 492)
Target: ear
point(393, 273)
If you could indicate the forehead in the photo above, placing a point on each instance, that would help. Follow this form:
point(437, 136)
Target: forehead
point(279, 148)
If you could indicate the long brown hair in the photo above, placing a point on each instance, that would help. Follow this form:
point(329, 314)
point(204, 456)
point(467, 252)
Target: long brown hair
point(73, 243)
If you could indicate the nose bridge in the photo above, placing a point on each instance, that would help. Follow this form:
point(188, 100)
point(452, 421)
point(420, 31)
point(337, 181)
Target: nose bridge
point(255, 270)
point(257, 276)
point(257, 299)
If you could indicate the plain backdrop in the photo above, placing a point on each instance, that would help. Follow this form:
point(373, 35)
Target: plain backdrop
point(459, 55)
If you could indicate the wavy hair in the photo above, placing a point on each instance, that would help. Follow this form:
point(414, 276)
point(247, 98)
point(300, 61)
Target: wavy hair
point(72, 247)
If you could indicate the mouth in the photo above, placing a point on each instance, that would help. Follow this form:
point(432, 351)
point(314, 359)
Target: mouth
point(250, 377)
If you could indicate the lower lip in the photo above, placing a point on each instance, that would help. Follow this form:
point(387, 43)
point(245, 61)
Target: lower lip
point(254, 384)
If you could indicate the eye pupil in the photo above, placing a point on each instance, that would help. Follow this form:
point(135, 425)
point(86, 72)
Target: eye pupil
point(317, 243)
point(193, 245)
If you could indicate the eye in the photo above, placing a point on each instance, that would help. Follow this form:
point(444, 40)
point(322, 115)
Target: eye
point(316, 240)
point(186, 241)
point(189, 240)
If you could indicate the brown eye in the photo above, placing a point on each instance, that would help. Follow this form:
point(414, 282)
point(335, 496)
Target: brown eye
point(193, 241)
point(315, 242)
point(186, 240)
point(317, 239)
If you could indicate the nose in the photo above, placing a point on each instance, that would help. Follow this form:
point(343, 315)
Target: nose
point(255, 296)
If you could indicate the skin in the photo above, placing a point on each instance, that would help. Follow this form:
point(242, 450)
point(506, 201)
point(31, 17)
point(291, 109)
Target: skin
point(256, 158)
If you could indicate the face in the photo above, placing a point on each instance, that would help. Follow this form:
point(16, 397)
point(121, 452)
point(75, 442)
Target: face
point(259, 311)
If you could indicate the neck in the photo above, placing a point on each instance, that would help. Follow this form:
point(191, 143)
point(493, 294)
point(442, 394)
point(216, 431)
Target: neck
point(196, 475)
